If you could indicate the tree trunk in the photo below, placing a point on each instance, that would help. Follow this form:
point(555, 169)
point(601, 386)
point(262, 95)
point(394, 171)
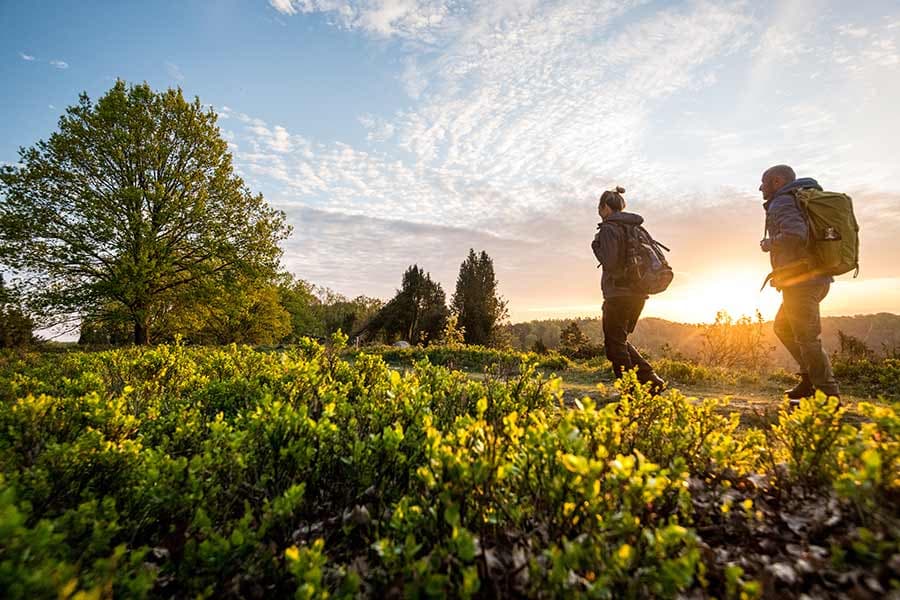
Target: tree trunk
point(141, 331)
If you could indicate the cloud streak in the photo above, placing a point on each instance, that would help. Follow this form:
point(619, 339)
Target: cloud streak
point(174, 71)
point(421, 20)
point(517, 112)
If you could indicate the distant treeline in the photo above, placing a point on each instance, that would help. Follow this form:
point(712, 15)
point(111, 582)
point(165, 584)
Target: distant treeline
point(876, 335)
point(283, 310)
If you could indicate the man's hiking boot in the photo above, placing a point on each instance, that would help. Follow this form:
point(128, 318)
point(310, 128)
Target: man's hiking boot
point(795, 402)
point(804, 389)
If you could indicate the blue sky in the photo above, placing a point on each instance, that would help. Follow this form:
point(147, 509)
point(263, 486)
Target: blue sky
point(401, 131)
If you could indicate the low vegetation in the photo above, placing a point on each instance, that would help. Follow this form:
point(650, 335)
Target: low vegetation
point(321, 471)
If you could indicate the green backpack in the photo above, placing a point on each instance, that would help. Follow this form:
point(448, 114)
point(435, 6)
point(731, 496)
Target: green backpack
point(834, 232)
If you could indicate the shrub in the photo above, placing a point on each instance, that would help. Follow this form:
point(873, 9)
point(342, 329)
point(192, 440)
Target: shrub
point(736, 343)
point(870, 377)
point(807, 439)
point(208, 472)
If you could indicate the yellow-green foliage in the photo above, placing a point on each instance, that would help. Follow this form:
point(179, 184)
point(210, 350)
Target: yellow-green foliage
point(211, 472)
point(679, 431)
point(871, 377)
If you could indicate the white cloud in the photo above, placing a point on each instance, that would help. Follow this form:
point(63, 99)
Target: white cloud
point(27, 57)
point(59, 64)
point(379, 130)
point(520, 104)
point(883, 52)
point(411, 19)
point(414, 82)
point(283, 6)
point(281, 140)
point(174, 71)
point(852, 31)
point(526, 105)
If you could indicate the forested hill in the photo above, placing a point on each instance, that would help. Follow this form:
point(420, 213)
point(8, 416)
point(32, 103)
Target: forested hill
point(879, 332)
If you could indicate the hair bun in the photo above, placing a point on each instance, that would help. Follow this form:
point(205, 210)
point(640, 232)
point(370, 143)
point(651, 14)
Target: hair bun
point(620, 189)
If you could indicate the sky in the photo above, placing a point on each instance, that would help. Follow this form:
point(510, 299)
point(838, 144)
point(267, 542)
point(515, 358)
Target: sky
point(394, 132)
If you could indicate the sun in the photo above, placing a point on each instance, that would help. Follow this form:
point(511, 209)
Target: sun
point(699, 297)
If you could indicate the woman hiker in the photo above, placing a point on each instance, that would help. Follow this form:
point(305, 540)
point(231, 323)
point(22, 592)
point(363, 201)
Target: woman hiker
point(621, 305)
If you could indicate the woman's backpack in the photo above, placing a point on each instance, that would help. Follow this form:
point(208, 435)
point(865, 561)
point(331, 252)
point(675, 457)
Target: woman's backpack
point(646, 269)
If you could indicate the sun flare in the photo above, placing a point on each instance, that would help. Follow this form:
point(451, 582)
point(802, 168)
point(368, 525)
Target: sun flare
point(702, 296)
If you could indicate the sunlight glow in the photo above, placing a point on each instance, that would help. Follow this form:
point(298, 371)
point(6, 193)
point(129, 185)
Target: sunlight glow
point(699, 299)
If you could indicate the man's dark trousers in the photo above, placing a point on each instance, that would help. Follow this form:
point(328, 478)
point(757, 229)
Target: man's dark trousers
point(620, 315)
point(798, 326)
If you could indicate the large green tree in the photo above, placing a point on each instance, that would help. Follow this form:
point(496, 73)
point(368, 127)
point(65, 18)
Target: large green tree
point(477, 303)
point(131, 201)
point(298, 297)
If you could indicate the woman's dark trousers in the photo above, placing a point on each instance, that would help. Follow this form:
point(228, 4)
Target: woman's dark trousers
point(620, 315)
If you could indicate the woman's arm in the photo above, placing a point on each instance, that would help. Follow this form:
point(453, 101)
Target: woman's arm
point(606, 246)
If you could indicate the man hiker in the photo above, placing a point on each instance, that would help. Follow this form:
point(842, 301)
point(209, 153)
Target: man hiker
point(622, 305)
point(787, 240)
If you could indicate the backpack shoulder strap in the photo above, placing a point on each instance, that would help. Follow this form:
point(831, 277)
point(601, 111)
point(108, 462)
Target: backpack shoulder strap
point(804, 212)
point(652, 240)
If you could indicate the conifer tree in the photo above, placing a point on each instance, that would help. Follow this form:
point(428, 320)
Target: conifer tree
point(476, 301)
point(572, 338)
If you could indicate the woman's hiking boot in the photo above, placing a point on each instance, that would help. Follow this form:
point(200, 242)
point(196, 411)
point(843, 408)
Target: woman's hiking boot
point(804, 389)
point(657, 383)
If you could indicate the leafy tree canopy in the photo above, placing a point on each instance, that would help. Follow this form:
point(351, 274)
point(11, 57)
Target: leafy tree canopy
point(317, 311)
point(131, 201)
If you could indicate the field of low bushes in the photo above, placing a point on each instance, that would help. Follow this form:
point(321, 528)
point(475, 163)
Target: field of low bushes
point(871, 378)
point(317, 472)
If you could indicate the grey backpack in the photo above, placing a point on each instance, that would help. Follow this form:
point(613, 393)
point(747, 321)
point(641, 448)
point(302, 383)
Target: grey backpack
point(646, 269)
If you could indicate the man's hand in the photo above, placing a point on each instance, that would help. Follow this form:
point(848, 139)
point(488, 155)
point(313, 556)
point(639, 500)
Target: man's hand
point(765, 245)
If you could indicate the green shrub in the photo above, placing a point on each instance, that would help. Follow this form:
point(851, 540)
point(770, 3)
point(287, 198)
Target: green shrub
point(675, 431)
point(209, 472)
point(692, 373)
point(870, 377)
point(868, 462)
point(554, 362)
point(807, 439)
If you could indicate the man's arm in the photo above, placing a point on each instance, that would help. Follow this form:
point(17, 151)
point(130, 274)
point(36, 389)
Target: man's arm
point(789, 222)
